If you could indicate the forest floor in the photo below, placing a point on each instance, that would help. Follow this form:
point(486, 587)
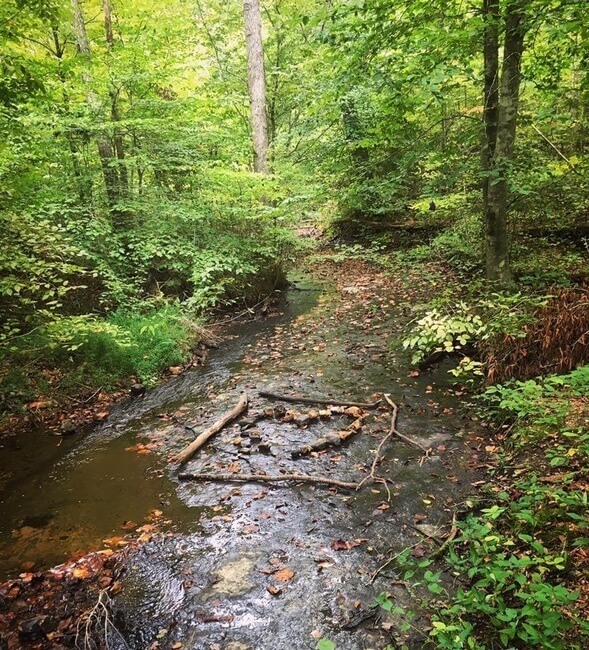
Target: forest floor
point(152, 561)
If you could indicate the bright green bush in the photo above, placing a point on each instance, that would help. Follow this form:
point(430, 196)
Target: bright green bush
point(444, 332)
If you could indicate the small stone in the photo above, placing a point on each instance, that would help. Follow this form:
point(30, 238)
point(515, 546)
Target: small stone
point(67, 428)
point(265, 448)
point(137, 390)
point(31, 628)
point(275, 591)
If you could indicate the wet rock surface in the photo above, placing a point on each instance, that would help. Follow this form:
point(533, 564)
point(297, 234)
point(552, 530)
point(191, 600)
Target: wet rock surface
point(278, 566)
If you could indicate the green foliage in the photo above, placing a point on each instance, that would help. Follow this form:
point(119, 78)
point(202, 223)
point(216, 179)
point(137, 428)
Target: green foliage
point(514, 556)
point(96, 353)
point(444, 332)
point(325, 644)
point(461, 243)
point(510, 588)
point(455, 326)
point(535, 399)
point(40, 267)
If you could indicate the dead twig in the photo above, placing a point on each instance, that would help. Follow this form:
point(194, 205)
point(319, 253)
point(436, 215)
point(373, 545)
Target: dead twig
point(95, 628)
point(196, 444)
point(94, 394)
point(392, 429)
point(375, 574)
point(265, 478)
point(401, 436)
point(316, 400)
point(451, 535)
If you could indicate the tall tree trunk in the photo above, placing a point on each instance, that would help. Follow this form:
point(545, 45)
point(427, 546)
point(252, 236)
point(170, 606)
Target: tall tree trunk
point(105, 148)
point(491, 88)
point(497, 257)
point(256, 82)
point(114, 103)
point(84, 187)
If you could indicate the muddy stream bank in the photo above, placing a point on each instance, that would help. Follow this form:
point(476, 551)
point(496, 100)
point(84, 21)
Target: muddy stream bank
point(253, 565)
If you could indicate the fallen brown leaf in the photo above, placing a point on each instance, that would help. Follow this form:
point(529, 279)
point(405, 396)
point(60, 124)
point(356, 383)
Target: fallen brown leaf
point(284, 575)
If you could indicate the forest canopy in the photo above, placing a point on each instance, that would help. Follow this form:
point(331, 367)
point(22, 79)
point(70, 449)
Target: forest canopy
point(128, 191)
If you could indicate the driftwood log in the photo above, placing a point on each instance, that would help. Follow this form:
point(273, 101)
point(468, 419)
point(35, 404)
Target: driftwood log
point(316, 400)
point(265, 478)
point(187, 453)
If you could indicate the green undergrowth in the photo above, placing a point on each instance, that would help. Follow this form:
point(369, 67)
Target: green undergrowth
point(78, 354)
point(511, 576)
point(86, 307)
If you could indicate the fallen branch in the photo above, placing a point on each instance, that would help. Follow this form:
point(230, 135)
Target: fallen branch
point(196, 444)
point(399, 435)
point(451, 535)
point(316, 400)
point(392, 429)
point(331, 439)
point(264, 478)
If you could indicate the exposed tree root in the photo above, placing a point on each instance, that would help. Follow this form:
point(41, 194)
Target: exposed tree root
point(95, 629)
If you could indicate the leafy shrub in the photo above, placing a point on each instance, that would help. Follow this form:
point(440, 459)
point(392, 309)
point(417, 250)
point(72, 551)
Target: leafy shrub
point(538, 400)
point(159, 339)
point(444, 332)
point(40, 266)
point(460, 244)
point(511, 595)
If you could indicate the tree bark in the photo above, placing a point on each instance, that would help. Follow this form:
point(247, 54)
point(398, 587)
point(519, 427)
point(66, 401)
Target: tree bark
point(491, 88)
point(497, 254)
point(119, 148)
point(256, 83)
point(104, 144)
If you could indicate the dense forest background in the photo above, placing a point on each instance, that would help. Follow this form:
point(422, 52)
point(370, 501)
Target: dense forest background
point(128, 202)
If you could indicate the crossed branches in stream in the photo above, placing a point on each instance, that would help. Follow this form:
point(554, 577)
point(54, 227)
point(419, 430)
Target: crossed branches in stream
point(356, 410)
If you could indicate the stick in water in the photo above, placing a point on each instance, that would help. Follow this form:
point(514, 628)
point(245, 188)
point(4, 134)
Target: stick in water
point(264, 478)
point(196, 444)
point(316, 400)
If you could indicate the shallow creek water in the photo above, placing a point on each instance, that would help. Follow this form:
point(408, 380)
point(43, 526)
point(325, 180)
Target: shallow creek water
point(213, 582)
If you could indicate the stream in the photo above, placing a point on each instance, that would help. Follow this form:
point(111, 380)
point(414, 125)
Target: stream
point(256, 566)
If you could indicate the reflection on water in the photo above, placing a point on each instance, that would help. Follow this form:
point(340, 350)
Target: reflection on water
point(60, 497)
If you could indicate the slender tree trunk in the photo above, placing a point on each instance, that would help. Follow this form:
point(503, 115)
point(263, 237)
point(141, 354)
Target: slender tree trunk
point(84, 188)
point(256, 83)
point(353, 132)
point(114, 102)
point(497, 257)
point(491, 89)
point(105, 148)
